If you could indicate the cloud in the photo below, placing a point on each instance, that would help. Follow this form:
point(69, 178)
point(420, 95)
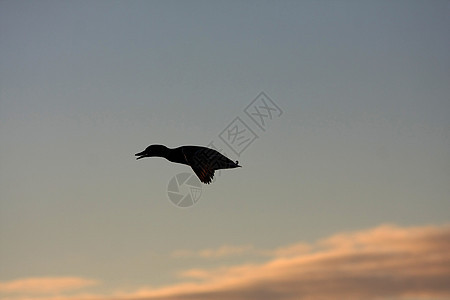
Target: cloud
point(243, 250)
point(292, 250)
point(211, 253)
point(387, 262)
point(45, 285)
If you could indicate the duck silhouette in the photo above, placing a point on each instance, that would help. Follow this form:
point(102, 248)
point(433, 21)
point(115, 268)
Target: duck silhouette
point(203, 161)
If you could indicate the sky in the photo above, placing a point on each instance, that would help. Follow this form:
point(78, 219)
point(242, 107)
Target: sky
point(345, 181)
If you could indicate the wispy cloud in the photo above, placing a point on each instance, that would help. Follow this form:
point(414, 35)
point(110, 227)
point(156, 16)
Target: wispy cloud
point(45, 285)
point(220, 252)
point(386, 262)
point(380, 263)
point(242, 250)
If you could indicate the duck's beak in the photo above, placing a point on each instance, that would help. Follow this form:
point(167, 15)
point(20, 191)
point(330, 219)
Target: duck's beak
point(140, 155)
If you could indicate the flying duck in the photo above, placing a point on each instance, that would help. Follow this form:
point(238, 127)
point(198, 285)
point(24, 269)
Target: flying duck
point(204, 161)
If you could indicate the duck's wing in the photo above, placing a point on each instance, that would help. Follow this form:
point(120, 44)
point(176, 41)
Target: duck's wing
point(205, 174)
point(203, 162)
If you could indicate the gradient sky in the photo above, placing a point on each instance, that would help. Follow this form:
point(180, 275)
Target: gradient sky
point(363, 142)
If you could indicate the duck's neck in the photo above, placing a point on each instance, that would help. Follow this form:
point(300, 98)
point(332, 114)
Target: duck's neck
point(164, 152)
point(176, 155)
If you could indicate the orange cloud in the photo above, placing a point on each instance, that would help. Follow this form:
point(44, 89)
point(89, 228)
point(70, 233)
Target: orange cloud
point(223, 251)
point(230, 250)
point(45, 285)
point(386, 262)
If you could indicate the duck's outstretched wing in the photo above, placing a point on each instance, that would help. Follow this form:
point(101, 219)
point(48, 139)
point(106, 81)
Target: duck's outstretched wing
point(205, 161)
point(205, 174)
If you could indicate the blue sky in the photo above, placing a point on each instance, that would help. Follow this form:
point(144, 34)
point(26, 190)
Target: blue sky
point(363, 140)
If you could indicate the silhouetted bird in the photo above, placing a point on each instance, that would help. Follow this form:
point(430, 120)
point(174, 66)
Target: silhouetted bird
point(203, 161)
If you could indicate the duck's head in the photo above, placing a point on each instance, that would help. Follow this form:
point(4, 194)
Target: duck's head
point(152, 150)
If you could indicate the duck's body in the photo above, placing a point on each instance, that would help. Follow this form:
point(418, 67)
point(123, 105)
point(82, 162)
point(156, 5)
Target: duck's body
point(204, 161)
